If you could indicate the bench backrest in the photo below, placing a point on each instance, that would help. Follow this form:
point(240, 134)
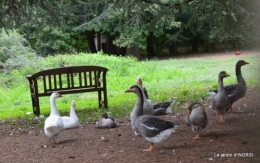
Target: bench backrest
point(75, 78)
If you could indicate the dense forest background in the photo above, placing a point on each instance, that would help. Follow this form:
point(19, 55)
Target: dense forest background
point(144, 28)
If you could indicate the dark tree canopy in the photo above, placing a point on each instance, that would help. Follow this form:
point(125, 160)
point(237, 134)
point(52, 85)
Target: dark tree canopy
point(152, 26)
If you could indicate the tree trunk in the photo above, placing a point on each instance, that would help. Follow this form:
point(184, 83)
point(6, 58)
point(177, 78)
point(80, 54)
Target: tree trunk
point(137, 52)
point(91, 42)
point(99, 42)
point(149, 45)
point(195, 44)
point(110, 46)
point(173, 48)
point(207, 47)
point(122, 51)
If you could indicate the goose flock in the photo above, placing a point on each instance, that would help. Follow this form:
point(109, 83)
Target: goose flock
point(144, 117)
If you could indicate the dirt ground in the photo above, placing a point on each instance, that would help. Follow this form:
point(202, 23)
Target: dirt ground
point(236, 140)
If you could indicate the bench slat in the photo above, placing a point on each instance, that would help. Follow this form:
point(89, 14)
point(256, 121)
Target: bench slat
point(55, 83)
point(85, 76)
point(44, 83)
point(80, 80)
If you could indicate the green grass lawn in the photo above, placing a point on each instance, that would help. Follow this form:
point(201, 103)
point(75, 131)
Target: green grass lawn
point(182, 80)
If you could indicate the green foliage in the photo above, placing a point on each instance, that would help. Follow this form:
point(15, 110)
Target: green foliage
point(50, 40)
point(56, 26)
point(182, 80)
point(229, 27)
point(132, 21)
point(47, 25)
point(50, 26)
point(14, 52)
point(227, 24)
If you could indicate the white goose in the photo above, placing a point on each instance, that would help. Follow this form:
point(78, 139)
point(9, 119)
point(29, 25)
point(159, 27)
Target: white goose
point(106, 121)
point(53, 124)
point(154, 129)
point(71, 121)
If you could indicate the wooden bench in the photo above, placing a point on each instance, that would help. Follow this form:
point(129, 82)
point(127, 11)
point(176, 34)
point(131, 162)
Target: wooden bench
point(68, 80)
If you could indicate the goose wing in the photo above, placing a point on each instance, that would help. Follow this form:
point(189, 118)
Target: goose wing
point(151, 126)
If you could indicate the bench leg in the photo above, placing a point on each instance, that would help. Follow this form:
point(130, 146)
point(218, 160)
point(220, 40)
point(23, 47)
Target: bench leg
point(36, 106)
point(99, 99)
point(105, 99)
point(33, 104)
point(102, 101)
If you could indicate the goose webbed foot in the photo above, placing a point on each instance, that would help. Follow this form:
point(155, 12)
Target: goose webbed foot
point(150, 148)
point(54, 141)
point(198, 135)
point(222, 118)
point(231, 109)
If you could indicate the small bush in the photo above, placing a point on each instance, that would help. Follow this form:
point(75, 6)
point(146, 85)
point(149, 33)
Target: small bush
point(14, 52)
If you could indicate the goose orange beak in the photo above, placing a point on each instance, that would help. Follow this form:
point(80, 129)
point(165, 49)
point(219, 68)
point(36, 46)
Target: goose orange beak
point(128, 90)
point(226, 74)
point(245, 63)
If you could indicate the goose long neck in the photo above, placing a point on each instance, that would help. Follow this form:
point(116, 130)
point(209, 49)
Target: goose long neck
point(138, 109)
point(220, 84)
point(72, 111)
point(142, 92)
point(240, 78)
point(54, 109)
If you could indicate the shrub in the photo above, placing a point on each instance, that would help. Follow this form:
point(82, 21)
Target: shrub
point(14, 51)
